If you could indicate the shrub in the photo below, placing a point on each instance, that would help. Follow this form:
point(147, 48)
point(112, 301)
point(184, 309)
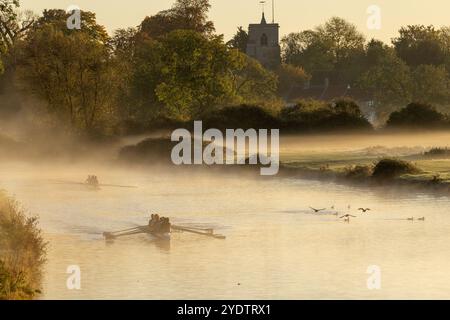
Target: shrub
point(438, 152)
point(358, 172)
point(313, 115)
point(417, 115)
point(240, 117)
point(22, 251)
point(392, 168)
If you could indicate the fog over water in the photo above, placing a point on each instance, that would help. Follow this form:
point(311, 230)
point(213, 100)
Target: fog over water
point(276, 248)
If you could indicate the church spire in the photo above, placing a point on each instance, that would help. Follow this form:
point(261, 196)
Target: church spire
point(263, 20)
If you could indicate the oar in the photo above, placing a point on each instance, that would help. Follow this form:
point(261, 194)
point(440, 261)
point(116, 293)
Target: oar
point(116, 186)
point(99, 185)
point(126, 232)
point(208, 234)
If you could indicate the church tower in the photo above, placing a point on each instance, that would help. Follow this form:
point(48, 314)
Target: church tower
point(263, 43)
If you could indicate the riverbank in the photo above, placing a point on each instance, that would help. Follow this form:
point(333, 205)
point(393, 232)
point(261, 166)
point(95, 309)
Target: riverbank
point(375, 167)
point(22, 251)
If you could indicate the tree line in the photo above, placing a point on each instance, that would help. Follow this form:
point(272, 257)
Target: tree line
point(174, 68)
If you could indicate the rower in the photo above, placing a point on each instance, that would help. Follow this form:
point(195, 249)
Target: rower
point(165, 225)
point(154, 222)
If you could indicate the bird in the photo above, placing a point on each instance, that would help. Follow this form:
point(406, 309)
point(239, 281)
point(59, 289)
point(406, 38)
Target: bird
point(332, 207)
point(421, 219)
point(317, 210)
point(410, 219)
point(347, 216)
point(364, 209)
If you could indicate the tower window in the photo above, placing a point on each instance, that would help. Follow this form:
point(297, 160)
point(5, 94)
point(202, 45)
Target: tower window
point(264, 40)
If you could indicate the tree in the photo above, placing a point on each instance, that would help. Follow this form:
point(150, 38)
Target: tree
point(13, 26)
point(290, 77)
point(418, 44)
point(417, 115)
point(58, 19)
point(195, 74)
point(307, 51)
point(431, 84)
point(239, 40)
point(329, 50)
point(252, 83)
point(184, 15)
point(389, 80)
point(72, 72)
point(376, 51)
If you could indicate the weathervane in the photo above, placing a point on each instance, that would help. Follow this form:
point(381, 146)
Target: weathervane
point(263, 4)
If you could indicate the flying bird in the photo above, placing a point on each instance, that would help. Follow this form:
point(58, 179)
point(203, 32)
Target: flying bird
point(347, 216)
point(364, 209)
point(317, 210)
point(421, 219)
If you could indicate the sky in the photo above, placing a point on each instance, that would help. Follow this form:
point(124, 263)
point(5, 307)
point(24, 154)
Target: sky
point(292, 15)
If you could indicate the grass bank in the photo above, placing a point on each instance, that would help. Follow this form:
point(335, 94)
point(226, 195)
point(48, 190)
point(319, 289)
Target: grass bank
point(22, 251)
point(421, 170)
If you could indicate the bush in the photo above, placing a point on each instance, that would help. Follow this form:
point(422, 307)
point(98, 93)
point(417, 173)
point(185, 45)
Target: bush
point(240, 117)
point(438, 152)
point(22, 251)
point(312, 115)
point(358, 172)
point(417, 115)
point(392, 168)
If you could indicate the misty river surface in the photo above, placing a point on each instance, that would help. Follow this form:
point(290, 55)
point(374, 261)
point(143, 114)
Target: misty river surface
point(275, 247)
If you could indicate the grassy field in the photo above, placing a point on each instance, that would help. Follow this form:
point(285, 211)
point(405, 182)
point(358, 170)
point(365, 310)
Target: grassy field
point(434, 168)
point(22, 251)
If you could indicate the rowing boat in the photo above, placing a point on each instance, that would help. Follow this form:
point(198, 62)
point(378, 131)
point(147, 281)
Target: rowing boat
point(138, 230)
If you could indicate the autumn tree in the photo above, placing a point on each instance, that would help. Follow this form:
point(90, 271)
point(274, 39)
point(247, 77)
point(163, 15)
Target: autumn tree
point(184, 15)
point(71, 70)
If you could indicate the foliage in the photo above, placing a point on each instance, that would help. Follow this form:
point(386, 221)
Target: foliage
point(431, 84)
point(72, 71)
point(312, 115)
point(290, 77)
point(417, 115)
point(241, 116)
point(438, 152)
point(184, 15)
point(392, 168)
point(22, 251)
point(239, 40)
point(195, 74)
point(327, 51)
point(358, 172)
point(420, 45)
point(388, 78)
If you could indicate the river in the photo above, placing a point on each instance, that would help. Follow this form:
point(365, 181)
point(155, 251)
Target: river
point(275, 247)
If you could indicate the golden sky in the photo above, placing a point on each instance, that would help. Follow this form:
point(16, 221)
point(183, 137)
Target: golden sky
point(293, 15)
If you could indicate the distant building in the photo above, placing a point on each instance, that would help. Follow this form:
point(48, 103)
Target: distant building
point(263, 43)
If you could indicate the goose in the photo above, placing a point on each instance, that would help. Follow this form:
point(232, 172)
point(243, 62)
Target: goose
point(364, 210)
point(317, 210)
